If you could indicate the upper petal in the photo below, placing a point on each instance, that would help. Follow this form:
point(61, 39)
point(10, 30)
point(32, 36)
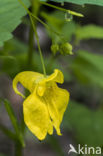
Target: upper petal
point(36, 116)
point(27, 79)
point(45, 82)
point(57, 76)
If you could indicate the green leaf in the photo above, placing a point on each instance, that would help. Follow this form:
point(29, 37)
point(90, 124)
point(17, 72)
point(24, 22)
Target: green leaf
point(4, 35)
point(82, 2)
point(87, 68)
point(11, 13)
point(87, 125)
point(11, 115)
point(7, 132)
point(88, 32)
point(14, 121)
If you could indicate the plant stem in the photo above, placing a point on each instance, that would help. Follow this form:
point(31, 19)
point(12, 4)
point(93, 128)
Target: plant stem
point(62, 9)
point(47, 26)
point(34, 11)
point(31, 36)
point(18, 149)
point(8, 132)
point(36, 34)
point(31, 45)
point(54, 6)
point(40, 52)
point(39, 20)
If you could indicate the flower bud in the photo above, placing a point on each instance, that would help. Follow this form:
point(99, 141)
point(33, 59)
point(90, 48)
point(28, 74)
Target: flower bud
point(54, 48)
point(66, 49)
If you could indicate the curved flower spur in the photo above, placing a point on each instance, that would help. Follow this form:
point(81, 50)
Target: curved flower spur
point(45, 106)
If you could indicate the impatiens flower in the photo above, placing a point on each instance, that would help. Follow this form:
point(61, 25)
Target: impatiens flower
point(45, 106)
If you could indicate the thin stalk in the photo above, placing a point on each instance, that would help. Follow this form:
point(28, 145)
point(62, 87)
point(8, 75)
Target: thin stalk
point(36, 35)
point(62, 9)
point(34, 10)
point(31, 46)
point(8, 133)
point(53, 6)
point(40, 52)
point(39, 20)
point(31, 37)
point(18, 149)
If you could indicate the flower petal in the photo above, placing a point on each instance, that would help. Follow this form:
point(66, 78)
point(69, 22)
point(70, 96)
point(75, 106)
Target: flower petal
point(41, 88)
point(27, 79)
point(57, 76)
point(57, 100)
point(36, 116)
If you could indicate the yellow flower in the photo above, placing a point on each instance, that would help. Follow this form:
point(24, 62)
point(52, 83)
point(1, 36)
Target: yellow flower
point(44, 108)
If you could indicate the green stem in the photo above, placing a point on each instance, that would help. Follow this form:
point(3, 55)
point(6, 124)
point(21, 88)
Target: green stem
point(39, 20)
point(53, 6)
point(8, 133)
point(62, 9)
point(34, 11)
point(49, 28)
point(31, 43)
point(31, 34)
point(37, 38)
point(18, 149)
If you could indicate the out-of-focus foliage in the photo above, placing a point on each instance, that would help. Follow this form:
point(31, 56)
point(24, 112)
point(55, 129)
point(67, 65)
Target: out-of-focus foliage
point(8, 64)
point(87, 68)
point(65, 30)
point(88, 32)
point(55, 144)
point(11, 13)
point(87, 125)
point(18, 62)
point(57, 22)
